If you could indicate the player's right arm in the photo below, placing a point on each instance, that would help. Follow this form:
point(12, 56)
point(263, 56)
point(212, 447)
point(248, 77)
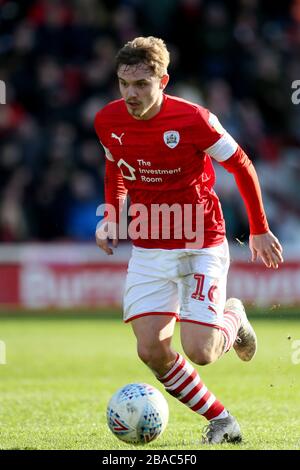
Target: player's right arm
point(107, 231)
point(115, 195)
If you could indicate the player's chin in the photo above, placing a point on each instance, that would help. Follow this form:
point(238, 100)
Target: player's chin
point(137, 115)
point(134, 113)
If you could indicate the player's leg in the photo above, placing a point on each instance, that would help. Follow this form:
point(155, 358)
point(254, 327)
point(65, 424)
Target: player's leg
point(151, 305)
point(154, 335)
point(205, 344)
point(208, 327)
point(202, 344)
point(207, 332)
point(183, 382)
point(245, 344)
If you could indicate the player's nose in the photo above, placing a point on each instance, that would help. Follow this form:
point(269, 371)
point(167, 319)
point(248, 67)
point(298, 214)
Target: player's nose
point(131, 92)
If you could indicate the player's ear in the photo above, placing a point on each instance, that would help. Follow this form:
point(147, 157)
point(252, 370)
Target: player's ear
point(164, 81)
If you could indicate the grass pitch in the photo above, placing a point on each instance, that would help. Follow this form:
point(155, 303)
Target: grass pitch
point(61, 373)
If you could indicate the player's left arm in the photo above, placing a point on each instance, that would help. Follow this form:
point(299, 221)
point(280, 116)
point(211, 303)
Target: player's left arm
point(263, 243)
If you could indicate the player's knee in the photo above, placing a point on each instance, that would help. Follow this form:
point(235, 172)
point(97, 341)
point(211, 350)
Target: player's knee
point(202, 356)
point(154, 356)
point(144, 353)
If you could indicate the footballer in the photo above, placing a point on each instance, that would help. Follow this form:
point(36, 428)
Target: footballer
point(158, 152)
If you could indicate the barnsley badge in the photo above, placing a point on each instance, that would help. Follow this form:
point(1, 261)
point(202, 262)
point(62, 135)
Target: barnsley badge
point(171, 138)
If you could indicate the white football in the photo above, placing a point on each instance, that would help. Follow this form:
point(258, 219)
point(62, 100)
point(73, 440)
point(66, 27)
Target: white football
point(137, 413)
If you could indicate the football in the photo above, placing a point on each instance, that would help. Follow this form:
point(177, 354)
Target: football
point(137, 413)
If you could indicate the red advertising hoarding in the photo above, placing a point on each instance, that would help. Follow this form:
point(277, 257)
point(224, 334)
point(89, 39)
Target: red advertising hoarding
point(69, 276)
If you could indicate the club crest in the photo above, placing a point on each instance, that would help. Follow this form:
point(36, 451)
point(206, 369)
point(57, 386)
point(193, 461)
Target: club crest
point(171, 138)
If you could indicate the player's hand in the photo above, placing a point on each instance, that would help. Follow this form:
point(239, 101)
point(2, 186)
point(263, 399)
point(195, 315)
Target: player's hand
point(105, 232)
point(266, 247)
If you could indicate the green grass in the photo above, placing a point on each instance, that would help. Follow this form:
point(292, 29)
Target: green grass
point(60, 374)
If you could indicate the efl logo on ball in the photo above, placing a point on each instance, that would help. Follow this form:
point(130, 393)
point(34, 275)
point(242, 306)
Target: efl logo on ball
point(137, 413)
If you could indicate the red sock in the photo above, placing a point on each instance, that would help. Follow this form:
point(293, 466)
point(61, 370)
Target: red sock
point(183, 382)
point(231, 324)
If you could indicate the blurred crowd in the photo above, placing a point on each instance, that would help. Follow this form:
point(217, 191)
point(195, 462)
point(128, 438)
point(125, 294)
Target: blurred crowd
point(238, 58)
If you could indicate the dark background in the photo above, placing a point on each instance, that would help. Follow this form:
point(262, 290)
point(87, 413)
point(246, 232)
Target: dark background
point(238, 58)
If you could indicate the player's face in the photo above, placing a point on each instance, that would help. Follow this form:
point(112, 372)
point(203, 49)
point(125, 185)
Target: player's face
point(141, 90)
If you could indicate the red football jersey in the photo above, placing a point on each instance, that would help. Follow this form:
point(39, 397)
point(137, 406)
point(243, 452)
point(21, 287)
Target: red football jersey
point(166, 160)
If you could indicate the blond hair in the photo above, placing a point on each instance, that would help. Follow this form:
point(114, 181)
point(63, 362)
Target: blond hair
point(149, 50)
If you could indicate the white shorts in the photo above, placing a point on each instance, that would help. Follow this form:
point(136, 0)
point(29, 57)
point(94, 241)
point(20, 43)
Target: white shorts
point(187, 284)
